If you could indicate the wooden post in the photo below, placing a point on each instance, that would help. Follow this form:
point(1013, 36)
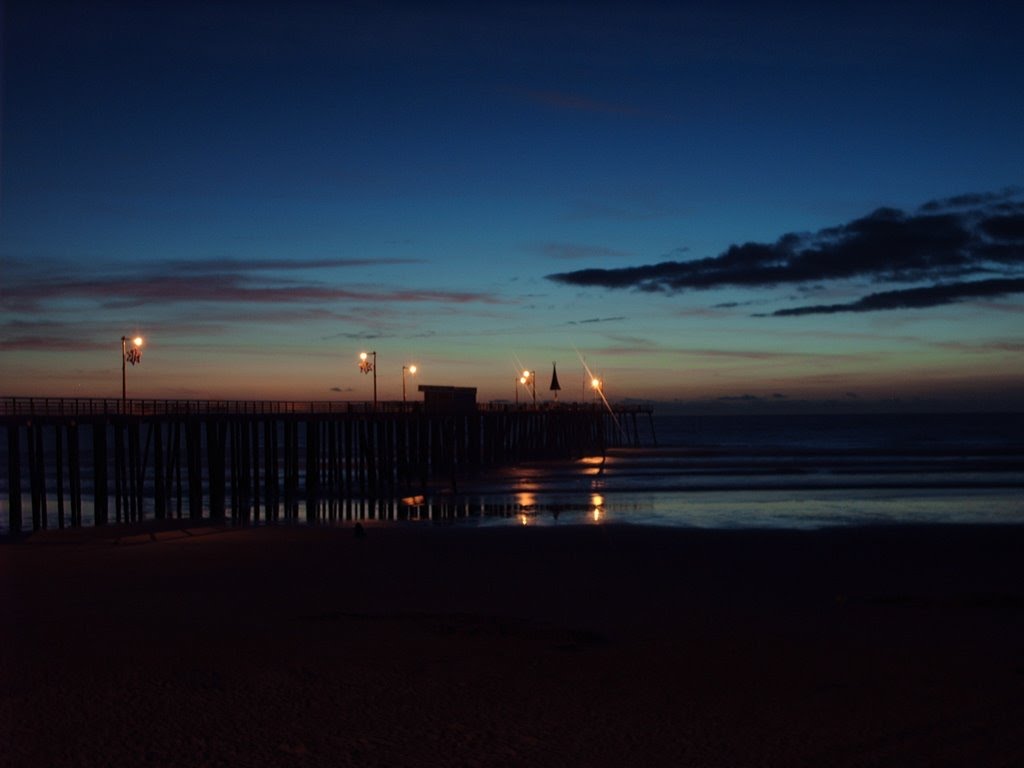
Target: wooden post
point(193, 449)
point(349, 454)
point(256, 470)
point(159, 486)
point(99, 460)
point(235, 437)
point(36, 474)
point(59, 459)
point(312, 469)
point(134, 472)
point(119, 482)
point(14, 477)
point(74, 474)
point(270, 469)
point(174, 462)
point(215, 434)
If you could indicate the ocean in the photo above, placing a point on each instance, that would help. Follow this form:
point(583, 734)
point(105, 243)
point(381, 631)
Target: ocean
point(731, 471)
point(792, 471)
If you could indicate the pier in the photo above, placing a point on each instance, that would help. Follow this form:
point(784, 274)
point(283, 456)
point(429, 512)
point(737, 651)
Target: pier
point(247, 461)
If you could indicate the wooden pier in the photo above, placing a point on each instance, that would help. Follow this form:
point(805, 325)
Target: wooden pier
point(253, 460)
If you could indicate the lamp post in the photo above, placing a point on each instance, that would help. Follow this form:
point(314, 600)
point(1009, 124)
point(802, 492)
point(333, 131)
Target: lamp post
point(598, 386)
point(370, 367)
point(136, 355)
point(412, 371)
point(529, 378)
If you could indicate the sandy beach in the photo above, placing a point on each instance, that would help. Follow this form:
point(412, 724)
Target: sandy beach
point(565, 645)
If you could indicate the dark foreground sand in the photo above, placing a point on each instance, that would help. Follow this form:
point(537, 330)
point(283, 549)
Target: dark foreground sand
point(562, 646)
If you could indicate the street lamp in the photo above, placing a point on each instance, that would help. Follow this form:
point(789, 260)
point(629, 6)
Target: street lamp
point(598, 386)
point(370, 367)
point(529, 378)
point(131, 355)
point(412, 371)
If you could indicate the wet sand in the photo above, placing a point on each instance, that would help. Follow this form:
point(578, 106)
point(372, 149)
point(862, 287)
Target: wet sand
point(603, 645)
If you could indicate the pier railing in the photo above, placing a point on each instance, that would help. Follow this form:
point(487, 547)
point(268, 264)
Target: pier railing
point(93, 406)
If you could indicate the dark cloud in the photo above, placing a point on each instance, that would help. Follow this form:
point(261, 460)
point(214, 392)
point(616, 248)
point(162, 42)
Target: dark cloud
point(944, 243)
point(972, 200)
point(915, 298)
point(1010, 227)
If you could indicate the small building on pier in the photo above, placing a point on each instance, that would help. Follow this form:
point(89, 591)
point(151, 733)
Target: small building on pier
point(448, 400)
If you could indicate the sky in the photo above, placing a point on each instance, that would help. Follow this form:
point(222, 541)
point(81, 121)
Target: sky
point(710, 206)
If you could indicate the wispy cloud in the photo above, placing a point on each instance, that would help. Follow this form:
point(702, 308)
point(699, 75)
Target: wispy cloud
point(594, 320)
point(984, 347)
point(205, 266)
point(748, 398)
point(50, 343)
point(171, 286)
point(73, 335)
point(642, 211)
point(578, 251)
point(965, 247)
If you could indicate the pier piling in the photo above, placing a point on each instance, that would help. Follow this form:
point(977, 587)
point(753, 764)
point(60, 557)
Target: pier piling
point(221, 459)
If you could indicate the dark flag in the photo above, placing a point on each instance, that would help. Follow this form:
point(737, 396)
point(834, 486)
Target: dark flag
point(133, 355)
point(555, 386)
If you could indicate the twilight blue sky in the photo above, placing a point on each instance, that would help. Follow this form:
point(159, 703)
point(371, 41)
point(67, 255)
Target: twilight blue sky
point(758, 204)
